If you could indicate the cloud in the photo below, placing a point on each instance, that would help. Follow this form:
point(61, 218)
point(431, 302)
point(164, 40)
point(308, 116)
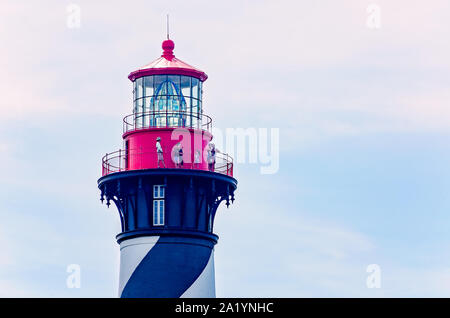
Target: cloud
point(287, 251)
point(291, 257)
point(427, 111)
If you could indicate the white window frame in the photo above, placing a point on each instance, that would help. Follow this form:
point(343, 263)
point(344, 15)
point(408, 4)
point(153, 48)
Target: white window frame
point(157, 188)
point(158, 212)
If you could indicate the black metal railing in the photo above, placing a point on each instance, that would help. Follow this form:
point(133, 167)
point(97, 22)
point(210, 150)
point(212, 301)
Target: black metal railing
point(136, 159)
point(164, 119)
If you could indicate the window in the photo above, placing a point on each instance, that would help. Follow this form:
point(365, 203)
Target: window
point(185, 86)
point(195, 87)
point(158, 212)
point(139, 114)
point(139, 87)
point(160, 82)
point(148, 86)
point(158, 191)
point(158, 204)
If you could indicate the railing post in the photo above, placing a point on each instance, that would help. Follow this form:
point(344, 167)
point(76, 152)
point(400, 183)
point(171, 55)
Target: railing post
point(120, 160)
point(106, 161)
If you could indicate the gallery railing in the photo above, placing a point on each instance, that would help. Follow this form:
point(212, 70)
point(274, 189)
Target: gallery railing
point(165, 119)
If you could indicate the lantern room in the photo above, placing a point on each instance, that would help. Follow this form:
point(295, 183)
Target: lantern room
point(167, 92)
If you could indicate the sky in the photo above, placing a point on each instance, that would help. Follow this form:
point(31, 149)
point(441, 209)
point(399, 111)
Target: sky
point(364, 126)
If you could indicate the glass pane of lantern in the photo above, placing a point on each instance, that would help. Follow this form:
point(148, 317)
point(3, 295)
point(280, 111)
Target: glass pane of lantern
point(160, 103)
point(174, 82)
point(138, 117)
point(148, 104)
point(148, 86)
point(160, 84)
point(139, 86)
point(195, 87)
point(185, 86)
point(195, 114)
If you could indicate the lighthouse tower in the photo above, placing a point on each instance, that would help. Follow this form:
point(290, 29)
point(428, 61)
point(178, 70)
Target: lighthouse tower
point(167, 183)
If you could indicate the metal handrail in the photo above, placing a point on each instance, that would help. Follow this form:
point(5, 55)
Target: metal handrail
point(131, 122)
point(225, 164)
point(117, 161)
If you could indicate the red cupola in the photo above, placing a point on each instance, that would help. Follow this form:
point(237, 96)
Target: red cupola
point(168, 64)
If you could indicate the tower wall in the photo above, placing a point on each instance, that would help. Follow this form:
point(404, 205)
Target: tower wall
point(168, 266)
point(142, 146)
point(175, 259)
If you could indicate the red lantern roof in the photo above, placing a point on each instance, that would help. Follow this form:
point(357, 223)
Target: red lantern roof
point(168, 64)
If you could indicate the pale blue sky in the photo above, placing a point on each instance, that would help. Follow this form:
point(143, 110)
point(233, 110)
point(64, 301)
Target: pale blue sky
point(364, 124)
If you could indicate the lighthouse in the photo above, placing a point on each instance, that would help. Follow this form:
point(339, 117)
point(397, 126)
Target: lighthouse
point(167, 183)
